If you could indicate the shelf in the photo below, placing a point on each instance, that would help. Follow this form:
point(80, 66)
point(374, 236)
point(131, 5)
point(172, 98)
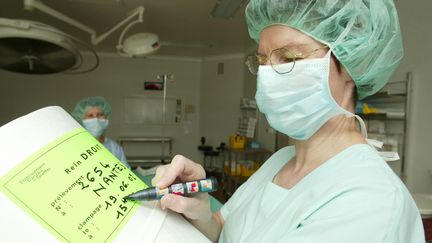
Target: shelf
point(393, 103)
point(391, 92)
point(395, 88)
point(144, 139)
point(248, 150)
point(387, 133)
point(241, 161)
point(384, 99)
point(248, 119)
point(248, 108)
point(147, 162)
point(381, 116)
point(150, 159)
point(388, 95)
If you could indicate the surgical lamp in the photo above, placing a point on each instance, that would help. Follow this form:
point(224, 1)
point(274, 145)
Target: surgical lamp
point(137, 45)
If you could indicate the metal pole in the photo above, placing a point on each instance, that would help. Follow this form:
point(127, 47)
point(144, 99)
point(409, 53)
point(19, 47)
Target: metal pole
point(164, 79)
point(409, 87)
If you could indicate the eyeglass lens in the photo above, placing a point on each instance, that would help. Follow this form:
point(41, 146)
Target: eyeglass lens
point(253, 64)
point(282, 56)
point(277, 56)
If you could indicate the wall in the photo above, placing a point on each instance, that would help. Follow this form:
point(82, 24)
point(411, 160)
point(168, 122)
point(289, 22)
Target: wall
point(415, 18)
point(220, 97)
point(116, 78)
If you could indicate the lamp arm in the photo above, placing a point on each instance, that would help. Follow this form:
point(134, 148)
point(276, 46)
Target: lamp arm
point(138, 11)
point(120, 41)
point(36, 4)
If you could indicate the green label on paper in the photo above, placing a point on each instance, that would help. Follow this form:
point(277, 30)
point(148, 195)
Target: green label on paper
point(74, 187)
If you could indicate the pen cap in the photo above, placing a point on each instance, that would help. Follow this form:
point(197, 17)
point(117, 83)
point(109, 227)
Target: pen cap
point(208, 185)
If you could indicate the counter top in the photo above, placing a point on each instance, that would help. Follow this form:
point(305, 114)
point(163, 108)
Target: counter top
point(424, 203)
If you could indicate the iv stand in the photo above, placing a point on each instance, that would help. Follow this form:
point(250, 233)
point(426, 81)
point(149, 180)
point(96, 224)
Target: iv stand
point(164, 78)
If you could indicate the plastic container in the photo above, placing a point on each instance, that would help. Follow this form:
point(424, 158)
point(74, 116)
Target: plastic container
point(237, 141)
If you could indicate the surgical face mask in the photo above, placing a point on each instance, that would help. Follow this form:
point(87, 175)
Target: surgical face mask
point(297, 103)
point(96, 126)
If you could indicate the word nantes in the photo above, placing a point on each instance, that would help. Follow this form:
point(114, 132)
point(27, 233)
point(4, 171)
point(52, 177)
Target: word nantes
point(85, 155)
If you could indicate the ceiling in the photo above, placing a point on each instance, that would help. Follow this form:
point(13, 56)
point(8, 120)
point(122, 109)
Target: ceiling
point(185, 27)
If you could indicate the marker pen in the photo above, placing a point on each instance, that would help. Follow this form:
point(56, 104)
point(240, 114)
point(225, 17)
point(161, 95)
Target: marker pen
point(153, 193)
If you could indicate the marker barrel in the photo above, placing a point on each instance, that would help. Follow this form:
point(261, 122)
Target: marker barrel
point(153, 193)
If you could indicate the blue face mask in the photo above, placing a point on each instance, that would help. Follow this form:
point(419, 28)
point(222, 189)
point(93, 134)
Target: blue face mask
point(300, 102)
point(96, 126)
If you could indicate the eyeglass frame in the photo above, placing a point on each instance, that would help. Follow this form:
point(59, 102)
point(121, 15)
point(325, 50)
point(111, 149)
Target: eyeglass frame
point(299, 55)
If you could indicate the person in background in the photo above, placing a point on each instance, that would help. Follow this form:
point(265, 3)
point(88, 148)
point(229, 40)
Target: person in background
point(93, 114)
point(315, 59)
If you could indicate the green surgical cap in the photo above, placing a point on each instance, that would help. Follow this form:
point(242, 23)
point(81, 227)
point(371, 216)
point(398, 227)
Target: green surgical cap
point(364, 35)
point(82, 105)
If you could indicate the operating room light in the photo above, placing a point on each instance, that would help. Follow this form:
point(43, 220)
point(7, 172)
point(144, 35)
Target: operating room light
point(138, 45)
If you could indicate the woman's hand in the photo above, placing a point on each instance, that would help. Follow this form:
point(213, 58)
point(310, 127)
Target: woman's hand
point(195, 208)
point(182, 169)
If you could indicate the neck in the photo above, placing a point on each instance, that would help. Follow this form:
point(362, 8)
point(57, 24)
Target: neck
point(337, 134)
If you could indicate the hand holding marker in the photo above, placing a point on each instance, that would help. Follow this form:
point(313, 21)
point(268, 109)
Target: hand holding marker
point(153, 193)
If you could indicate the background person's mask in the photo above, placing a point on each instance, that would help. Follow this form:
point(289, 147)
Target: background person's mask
point(96, 126)
point(300, 102)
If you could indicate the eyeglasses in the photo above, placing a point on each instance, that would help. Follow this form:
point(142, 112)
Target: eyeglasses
point(278, 56)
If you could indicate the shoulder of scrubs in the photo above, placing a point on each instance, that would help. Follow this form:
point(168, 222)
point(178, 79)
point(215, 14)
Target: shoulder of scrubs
point(266, 171)
point(353, 197)
point(116, 150)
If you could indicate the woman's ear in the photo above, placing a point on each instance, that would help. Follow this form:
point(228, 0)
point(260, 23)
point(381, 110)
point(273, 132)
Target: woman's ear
point(350, 97)
point(345, 75)
point(349, 83)
point(342, 85)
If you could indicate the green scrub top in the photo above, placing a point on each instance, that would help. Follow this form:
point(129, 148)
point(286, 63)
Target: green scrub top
point(353, 197)
point(116, 150)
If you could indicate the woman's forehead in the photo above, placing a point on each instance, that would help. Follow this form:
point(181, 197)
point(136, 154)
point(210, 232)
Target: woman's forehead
point(93, 110)
point(277, 36)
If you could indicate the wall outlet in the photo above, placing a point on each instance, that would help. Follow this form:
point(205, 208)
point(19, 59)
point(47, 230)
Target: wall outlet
point(220, 68)
point(189, 108)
